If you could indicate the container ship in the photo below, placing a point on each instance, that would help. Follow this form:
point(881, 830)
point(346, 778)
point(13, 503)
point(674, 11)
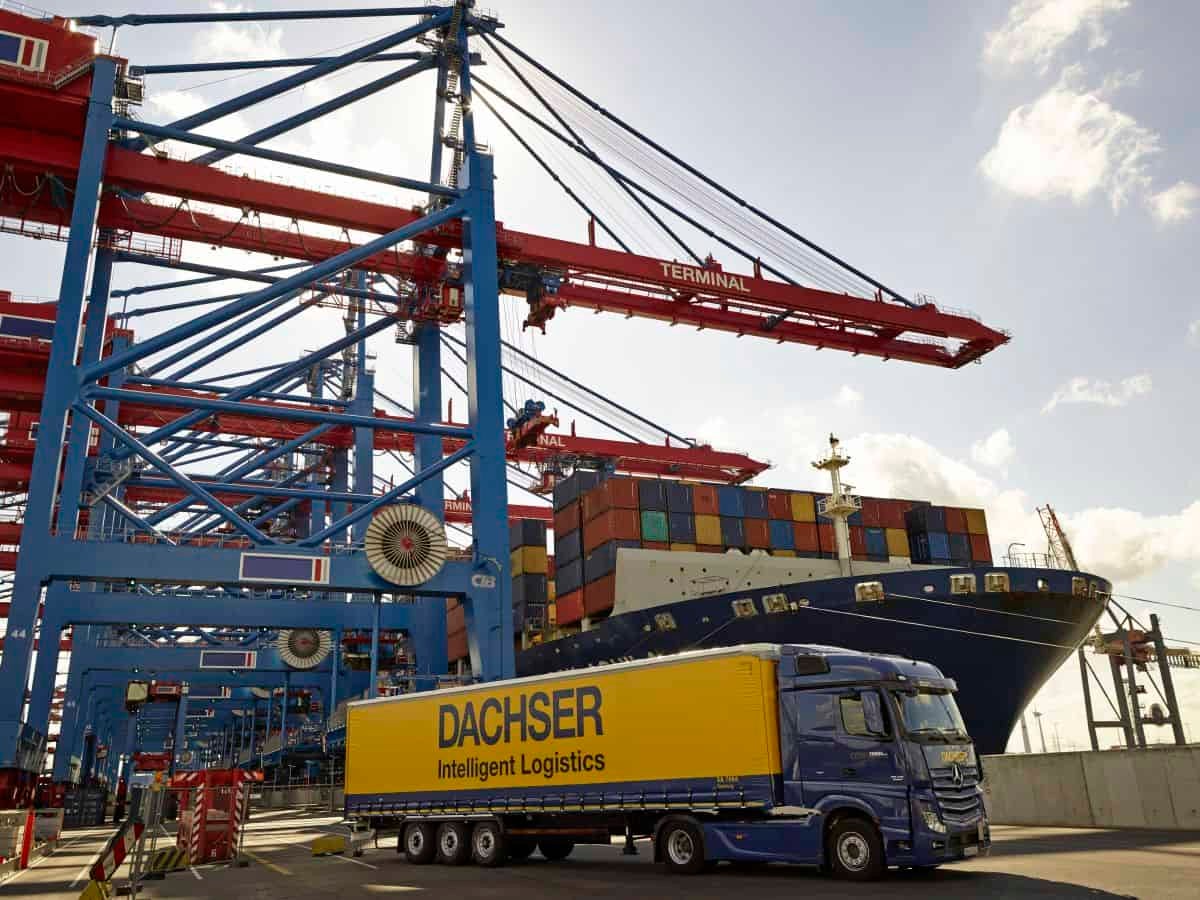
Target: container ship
point(643, 567)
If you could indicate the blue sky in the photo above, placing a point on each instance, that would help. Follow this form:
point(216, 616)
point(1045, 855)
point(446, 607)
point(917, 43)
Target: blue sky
point(1034, 162)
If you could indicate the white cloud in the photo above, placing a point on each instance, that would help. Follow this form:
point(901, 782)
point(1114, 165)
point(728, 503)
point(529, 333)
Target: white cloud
point(1194, 332)
point(227, 41)
point(1175, 204)
point(1122, 544)
point(848, 398)
point(1037, 29)
point(995, 451)
point(1071, 142)
point(1081, 389)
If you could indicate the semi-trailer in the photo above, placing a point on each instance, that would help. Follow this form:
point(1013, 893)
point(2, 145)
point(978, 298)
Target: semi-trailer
point(760, 753)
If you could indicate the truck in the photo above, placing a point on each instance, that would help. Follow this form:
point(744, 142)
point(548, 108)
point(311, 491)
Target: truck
point(812, 755)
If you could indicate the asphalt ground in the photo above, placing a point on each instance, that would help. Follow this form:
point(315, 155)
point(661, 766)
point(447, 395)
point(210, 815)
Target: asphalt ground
point(1025, 862)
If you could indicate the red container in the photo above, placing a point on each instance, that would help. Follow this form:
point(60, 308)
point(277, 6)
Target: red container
point(614, 525)
point(858, 541)
point(826, 538)
point(456, 647)
point(595, 502)
point(622, 493)
point(550, 568)
point(891, 513)
point(779, 505)
point(568, 608)
point(599, 596)
point(956, 520)
point(655, 545)
point(456, 620)
point(567, 519)
point(709, 548)
point(704, 500)
point(807, 540)
point(758, 533)
point(872, 512)
point(981, 548)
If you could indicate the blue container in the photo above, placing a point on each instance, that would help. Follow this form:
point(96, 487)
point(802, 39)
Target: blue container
point(568, 577)
point(652, 494)
point(568, 490)
point(730, 502)
point(877, 542)
point(754, 504)
point(960, 549)
point(683, 527)
point(568, 547)
point(529, 589)
point(939, 546)
point(926, 518)
point(603, 560)
point(783, 535)
point(679, 497)
point(526, 533)
point(733, 532)
point(855, 518)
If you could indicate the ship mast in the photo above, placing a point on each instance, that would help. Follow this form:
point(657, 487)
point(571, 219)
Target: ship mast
point(840, 504)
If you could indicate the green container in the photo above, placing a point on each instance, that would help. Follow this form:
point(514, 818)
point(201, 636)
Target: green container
point(654, 525)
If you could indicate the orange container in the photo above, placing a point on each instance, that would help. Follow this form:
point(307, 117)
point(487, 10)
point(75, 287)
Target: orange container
point(709, 548)
point(806, 537)
point(614, 525)
point(704, 500)
point(566, 519)
point(758, 533)
point(655, 545)
point(600, 595)
point(456, 646)
point(568, 609)
point(956, 520)
point(826, 538)
point(981, 548)
point(779, 504)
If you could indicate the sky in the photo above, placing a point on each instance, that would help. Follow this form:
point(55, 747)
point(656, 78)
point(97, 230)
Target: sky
point(1034, 162)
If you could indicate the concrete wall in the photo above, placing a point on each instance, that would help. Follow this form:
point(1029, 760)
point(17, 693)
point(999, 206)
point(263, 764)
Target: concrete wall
point(279, 797)
point(1157, 788)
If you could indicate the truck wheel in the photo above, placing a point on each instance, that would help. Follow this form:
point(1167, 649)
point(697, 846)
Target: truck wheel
point(521, 848)
point(487, 845)
point(555, 849)
point(855, 850)
point(419, 846)
point(453, 844)
point(682, 847)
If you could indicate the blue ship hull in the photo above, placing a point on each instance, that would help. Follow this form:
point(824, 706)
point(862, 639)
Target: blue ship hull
point(999, 647)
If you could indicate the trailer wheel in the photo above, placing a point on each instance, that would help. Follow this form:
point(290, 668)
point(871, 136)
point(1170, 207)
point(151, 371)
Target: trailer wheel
point(555, 849)
point(453, 844)
point(855, 850)
point(487, 845)
point(419, 845)
point(521, 848)
point(682, 847)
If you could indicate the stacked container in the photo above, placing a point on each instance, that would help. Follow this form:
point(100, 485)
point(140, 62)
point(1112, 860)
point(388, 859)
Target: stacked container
point(530, 574)
point(456, 631)
point(948, 535)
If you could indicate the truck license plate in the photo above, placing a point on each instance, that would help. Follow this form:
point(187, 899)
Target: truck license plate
point(969, 851)
point(979, 829)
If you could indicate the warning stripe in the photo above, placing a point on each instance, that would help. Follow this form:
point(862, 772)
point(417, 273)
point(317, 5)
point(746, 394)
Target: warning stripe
point(117, 849)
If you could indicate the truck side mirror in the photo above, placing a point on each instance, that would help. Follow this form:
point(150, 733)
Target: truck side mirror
point(873, 713)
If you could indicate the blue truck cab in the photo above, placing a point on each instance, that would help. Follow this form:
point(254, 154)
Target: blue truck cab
point(876, 740)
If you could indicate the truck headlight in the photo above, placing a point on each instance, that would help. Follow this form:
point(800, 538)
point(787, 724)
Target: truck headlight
point(932, 820)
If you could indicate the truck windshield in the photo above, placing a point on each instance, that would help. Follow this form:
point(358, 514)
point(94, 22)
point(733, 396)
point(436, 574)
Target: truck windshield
point(931, 714)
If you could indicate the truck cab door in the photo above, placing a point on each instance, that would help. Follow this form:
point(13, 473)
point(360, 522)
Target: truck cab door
point(872, 767)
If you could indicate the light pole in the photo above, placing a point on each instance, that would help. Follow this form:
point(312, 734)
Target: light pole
point(1041, 733)
point(1010, 550)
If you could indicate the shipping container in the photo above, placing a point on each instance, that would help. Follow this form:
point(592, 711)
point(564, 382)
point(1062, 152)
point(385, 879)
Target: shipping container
point(567, 519)
point(456, 619)
point(528, 559)
point(804, 508)
point(981, 548)
point(976, 521)
point(570, 576)
point(877, 544)
point(654, 526)
point(652, 494)
point(960, 549)
point(529, 616)
point(709, 548)
point(778, 552)
point(526, 533)
point(956, 520)
point(872, 512)
point(779, 505)
point(858, 541)
point(615, 493)
point(827, 538)
point(530, 590)
point(733, 532)
point(679, 498)
point(551, 591)
point(708, 530)
point(806, 538)
point(939, 546)
point(705, 500)
point(568, 547)
point(614, 525)
point(683, 548)
point(682, 526)
point(456, 647)
point(897, 541)
point(568, 608)
point(603, 560)
point(600, 595)
point(731, 501)
point(783, 536)
point(569, 490)
point(656, 545)
point(754, 504)
point(758, 534)
point(924, 517)
point(891, 515)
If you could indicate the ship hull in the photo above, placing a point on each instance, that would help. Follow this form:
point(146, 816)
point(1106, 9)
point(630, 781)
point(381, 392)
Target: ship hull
point(1000, 647)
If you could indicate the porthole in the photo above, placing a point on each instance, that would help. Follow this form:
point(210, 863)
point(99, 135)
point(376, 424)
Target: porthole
point(996, 583)
point(962, 584)
point(775, 603)
point(868, 592)
point(665, 621)
point(744, 608)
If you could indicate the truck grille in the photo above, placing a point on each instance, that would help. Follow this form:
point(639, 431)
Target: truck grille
point(958, 802)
